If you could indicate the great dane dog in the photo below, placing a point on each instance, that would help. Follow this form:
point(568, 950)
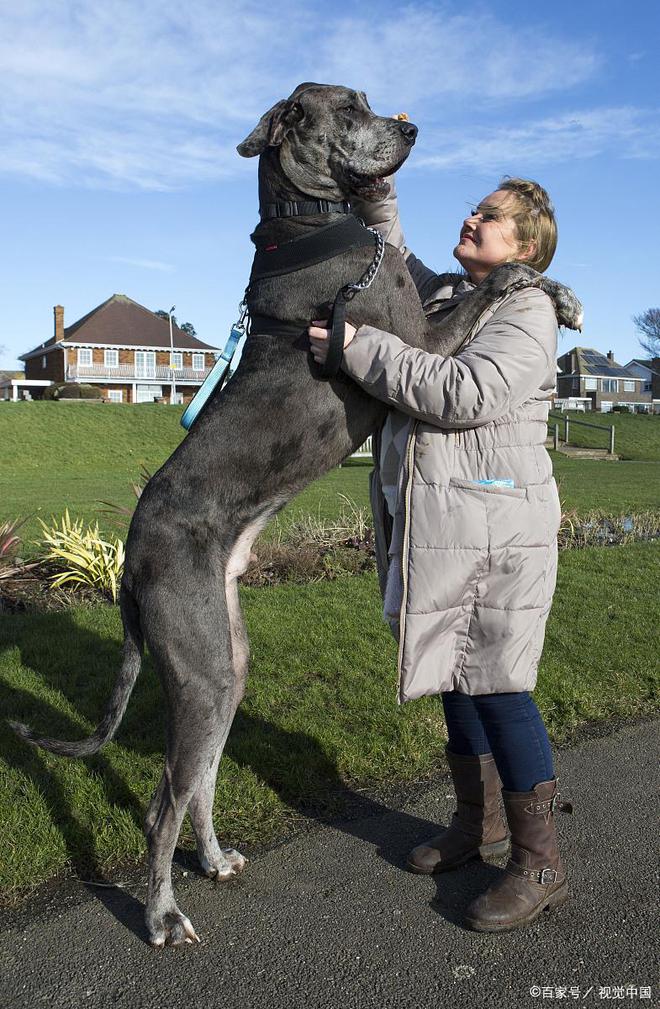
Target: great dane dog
point(275, 427)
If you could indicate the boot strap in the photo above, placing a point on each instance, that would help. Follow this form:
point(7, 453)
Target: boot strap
point(543, 876)
point(549, 806)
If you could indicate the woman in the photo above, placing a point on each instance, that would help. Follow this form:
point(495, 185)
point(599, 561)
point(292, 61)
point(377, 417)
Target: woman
point(473, 549)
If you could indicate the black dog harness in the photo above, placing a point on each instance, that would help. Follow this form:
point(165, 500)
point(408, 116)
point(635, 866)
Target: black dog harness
point(321, 245)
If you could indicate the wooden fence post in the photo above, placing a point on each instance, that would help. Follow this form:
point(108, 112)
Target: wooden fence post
point(612, 440)
point(566, 429)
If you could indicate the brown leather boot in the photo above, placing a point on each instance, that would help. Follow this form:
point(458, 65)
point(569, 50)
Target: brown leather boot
point(477, 828)
point(534, 878)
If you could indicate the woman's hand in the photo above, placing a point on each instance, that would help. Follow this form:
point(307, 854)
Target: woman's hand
point(319, 338)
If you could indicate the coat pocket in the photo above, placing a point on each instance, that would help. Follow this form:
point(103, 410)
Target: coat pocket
point(518, 492)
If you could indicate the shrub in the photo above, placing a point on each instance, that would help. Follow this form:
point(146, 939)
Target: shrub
point(10, 565)
point(84, 557)
point(72, 390)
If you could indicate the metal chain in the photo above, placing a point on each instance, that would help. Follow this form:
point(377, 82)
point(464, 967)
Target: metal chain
point(367, 278)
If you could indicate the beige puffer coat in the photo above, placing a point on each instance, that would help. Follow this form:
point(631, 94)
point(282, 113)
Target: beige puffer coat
point(472, 567)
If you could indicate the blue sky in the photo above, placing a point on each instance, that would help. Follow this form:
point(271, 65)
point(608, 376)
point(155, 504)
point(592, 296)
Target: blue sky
point(119, 122)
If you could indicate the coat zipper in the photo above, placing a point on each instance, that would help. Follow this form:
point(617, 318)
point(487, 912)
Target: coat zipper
point(410, 451)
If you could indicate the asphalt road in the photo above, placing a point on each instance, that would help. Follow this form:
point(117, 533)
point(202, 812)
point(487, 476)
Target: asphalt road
point(330, 918)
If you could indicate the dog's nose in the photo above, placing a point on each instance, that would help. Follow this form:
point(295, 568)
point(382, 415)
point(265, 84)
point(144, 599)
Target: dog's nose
point(409, 131)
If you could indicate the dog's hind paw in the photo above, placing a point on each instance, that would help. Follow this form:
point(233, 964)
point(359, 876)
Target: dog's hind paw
point(172, 929)
point(228, 864)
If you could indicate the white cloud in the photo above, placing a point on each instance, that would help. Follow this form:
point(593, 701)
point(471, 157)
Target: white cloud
point(145, 264)
point(156, 95)
point(626, 132)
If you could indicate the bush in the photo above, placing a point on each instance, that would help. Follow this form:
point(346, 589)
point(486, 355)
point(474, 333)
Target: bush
point(72, 390)
point(86, 559)
point(9, 544)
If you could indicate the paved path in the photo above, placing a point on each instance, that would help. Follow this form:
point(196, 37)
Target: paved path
point(330, 919)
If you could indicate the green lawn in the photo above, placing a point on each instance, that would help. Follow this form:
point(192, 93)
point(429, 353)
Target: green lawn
point(320, 712)
point(58, 455)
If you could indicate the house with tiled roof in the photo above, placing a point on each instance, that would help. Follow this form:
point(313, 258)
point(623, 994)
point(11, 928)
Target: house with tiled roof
point(590, 380)
point(124, 349)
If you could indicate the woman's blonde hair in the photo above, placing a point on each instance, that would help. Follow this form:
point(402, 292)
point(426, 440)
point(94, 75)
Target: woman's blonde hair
point(534, 217)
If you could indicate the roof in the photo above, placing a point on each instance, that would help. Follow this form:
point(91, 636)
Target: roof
point(592, 362)
point(123, 322)
point(652, 363)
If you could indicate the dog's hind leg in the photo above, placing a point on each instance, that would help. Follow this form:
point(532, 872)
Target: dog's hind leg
point(223, 863)
point(194, 661)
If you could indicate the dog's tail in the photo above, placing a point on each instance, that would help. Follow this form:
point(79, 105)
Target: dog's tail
point(128, 674)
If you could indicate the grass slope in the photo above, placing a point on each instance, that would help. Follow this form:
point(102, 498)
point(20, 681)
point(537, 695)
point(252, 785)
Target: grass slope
point(58, 455)
point(636, 436)
point(319, 715)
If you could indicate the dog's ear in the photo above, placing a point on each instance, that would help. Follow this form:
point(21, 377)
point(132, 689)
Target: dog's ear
point(272, 128)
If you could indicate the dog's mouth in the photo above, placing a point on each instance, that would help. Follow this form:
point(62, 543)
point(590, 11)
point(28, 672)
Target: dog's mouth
point(371, 187)
point(367, 187)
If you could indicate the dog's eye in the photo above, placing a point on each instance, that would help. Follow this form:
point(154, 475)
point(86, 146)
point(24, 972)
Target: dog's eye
point(348, 108)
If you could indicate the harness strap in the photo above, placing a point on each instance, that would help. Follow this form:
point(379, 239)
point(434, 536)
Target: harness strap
point(266, 325)
point(322, 244)
point(302, 208)
point(332, 363)
point(269, 326)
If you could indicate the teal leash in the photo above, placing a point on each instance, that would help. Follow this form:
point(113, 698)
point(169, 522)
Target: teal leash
point(217, 374)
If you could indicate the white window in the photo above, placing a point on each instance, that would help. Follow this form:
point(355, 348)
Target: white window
point(590, 384)
point(116, 395)
point(628, 386)
point(610, 384)
point(198, 362)
point(145, 363)
point(111, 359)
point(148, 393)
point(84, 357)
point(176, 359)
point(44, 362)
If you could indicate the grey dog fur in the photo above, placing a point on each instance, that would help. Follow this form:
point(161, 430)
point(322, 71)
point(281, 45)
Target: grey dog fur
point(272, 430)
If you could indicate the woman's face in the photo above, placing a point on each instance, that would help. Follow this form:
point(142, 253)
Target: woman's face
point(488, 237)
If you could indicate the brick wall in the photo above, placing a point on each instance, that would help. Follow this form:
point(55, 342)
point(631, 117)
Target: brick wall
point(54, 369)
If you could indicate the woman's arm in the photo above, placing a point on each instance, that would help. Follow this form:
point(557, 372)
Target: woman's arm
point(507, 361)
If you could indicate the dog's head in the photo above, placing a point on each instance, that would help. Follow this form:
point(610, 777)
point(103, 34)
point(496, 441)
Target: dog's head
point(331, 145)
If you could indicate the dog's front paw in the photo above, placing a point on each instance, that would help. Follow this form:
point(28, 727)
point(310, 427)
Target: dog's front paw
point(568, 308)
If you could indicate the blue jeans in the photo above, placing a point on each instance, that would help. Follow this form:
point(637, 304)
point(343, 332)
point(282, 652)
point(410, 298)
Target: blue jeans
point(507, 725)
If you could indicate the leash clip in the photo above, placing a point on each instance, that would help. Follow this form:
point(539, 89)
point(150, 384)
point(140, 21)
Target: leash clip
point(241, 324)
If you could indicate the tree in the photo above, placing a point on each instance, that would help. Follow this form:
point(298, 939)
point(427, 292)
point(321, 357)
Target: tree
point(162, 314)
point(648, 324)
point(186, 327)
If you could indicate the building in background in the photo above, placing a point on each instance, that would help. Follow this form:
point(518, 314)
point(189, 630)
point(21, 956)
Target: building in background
point(589, 380)
point(124, 349)
point(649, 371)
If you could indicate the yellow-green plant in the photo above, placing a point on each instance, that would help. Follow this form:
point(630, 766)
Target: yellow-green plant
point(85, 557)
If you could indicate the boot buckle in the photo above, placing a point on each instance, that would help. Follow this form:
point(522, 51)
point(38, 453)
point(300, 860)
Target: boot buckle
point(557, 803)
point(548, 876)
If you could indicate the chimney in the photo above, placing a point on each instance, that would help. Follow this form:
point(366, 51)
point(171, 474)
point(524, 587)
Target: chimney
point(58, 312)
point(610, 356)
